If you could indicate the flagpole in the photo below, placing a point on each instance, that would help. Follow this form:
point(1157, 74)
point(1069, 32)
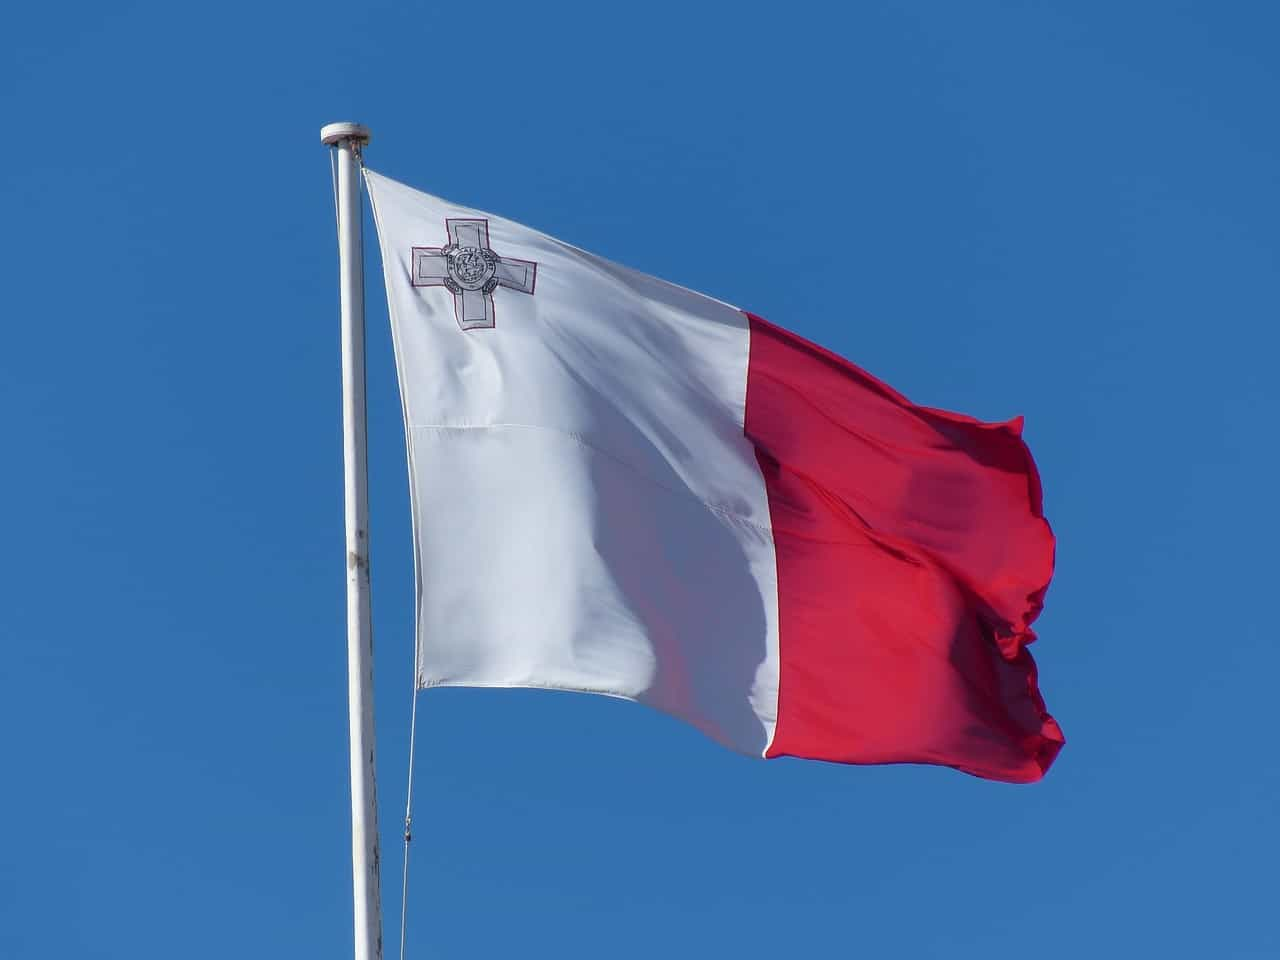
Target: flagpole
point(348, 139)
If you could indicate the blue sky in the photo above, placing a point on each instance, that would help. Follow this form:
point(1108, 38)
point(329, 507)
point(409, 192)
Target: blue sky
point(1063, 210)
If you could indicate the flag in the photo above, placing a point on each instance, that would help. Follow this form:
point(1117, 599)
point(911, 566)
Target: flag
point(623, 487)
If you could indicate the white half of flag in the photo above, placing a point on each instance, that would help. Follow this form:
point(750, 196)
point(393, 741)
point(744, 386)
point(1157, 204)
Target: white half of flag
point(588, 514)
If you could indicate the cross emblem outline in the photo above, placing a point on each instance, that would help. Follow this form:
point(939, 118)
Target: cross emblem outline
point(470, 269)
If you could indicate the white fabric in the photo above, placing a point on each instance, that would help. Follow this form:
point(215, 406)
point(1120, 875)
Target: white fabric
point(588, 514)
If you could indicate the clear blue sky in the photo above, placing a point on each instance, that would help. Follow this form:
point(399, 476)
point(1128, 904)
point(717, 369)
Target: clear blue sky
point(1065, 210)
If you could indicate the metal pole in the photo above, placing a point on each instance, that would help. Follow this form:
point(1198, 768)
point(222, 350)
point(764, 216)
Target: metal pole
point(348, 139)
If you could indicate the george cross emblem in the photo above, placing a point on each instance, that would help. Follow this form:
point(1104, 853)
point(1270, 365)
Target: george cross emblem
point(471, 271)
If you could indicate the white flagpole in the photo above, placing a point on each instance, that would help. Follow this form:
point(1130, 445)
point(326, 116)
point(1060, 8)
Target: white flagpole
point(348, 139)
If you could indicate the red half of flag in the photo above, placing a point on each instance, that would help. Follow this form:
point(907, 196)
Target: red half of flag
point(936, 517)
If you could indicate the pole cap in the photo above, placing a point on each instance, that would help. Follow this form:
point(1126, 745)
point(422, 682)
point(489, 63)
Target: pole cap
point(332, 133)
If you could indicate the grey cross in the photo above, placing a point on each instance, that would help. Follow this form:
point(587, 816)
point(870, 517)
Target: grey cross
point(471, 271)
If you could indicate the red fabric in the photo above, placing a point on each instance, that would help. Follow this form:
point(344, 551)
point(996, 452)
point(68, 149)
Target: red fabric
point(912, 557)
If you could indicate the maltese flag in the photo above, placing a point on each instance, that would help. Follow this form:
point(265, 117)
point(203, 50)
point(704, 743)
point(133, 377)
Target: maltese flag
point(620, 486)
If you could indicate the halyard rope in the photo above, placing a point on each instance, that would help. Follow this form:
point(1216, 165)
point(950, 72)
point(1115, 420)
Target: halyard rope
point(408, 805)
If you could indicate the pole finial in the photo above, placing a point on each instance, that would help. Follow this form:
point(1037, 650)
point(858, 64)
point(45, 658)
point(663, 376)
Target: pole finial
point(335, 133)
